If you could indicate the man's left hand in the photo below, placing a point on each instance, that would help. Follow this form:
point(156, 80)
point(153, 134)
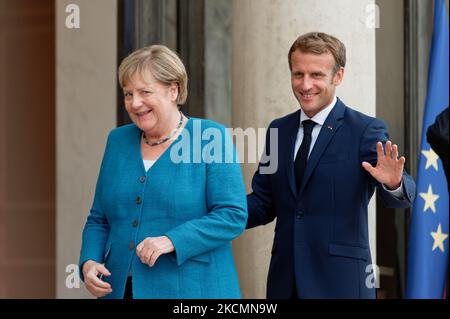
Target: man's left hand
point(389, 168)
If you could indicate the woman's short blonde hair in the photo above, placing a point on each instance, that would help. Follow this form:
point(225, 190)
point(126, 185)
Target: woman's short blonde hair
point(161, 62)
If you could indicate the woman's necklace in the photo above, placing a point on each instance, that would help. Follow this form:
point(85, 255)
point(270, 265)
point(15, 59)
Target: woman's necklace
point(159, 142)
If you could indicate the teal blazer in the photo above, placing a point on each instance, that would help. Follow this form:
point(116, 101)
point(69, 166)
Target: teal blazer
point(199, 203)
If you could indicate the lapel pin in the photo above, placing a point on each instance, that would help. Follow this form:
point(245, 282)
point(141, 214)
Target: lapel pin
point(330, 127)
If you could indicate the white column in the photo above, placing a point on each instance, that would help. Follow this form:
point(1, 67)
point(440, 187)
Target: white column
point(263, 32)
point(86, 112)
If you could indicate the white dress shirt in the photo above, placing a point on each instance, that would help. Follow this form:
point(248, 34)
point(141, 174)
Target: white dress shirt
point(319, 119)
point(148, 164)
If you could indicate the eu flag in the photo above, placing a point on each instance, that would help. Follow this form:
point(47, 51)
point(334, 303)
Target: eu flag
point(428, 238)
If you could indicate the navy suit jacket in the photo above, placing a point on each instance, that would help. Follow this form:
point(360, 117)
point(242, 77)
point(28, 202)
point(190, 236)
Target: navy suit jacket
point(321, 234)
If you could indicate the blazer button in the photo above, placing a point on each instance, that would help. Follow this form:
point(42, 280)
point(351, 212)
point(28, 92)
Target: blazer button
point(135, 223)
point(131, 246)
point(142, 179)
point(138, 200)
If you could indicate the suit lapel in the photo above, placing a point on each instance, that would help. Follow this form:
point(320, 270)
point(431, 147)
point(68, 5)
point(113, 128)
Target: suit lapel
point(329, 129)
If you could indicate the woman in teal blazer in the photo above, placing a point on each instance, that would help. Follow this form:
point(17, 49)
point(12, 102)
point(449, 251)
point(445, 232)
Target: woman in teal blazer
point(169, 198)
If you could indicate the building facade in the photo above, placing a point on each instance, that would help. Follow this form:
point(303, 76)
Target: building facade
point(60, 98)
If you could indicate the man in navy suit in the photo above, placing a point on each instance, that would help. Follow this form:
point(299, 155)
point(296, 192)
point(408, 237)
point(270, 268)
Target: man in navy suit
point(330, 159)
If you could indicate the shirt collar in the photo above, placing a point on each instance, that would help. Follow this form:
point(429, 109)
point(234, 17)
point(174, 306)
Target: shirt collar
point(320, 117)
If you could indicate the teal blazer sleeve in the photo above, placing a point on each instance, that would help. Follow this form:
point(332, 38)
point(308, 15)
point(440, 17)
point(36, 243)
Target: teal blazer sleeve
point(97, 228)
point(227, 205)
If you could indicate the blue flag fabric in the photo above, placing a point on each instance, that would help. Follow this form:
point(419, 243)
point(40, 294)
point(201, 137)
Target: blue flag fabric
point(428, 238)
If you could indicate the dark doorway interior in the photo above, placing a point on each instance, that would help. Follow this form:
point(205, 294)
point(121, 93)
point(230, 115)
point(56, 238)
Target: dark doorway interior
point(27, 149)
point(178, 24)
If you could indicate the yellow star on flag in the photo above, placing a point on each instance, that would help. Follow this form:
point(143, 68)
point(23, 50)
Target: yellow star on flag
point(429, 199)
point(432, 158)
point(439, 238)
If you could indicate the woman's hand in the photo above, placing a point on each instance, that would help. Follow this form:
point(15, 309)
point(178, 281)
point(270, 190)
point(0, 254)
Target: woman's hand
point(151, 248)
point(96, 286)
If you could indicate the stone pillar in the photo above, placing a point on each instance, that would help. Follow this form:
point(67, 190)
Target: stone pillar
point(86, 69)
point(218, 61)
point(262, 33)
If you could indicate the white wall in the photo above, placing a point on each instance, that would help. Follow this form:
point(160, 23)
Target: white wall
point(86, 112)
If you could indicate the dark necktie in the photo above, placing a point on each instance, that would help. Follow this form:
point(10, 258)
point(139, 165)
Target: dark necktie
point(302, 154)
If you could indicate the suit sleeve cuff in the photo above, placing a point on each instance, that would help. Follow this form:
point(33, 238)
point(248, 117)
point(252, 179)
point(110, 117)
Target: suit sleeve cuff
point(398, 193)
